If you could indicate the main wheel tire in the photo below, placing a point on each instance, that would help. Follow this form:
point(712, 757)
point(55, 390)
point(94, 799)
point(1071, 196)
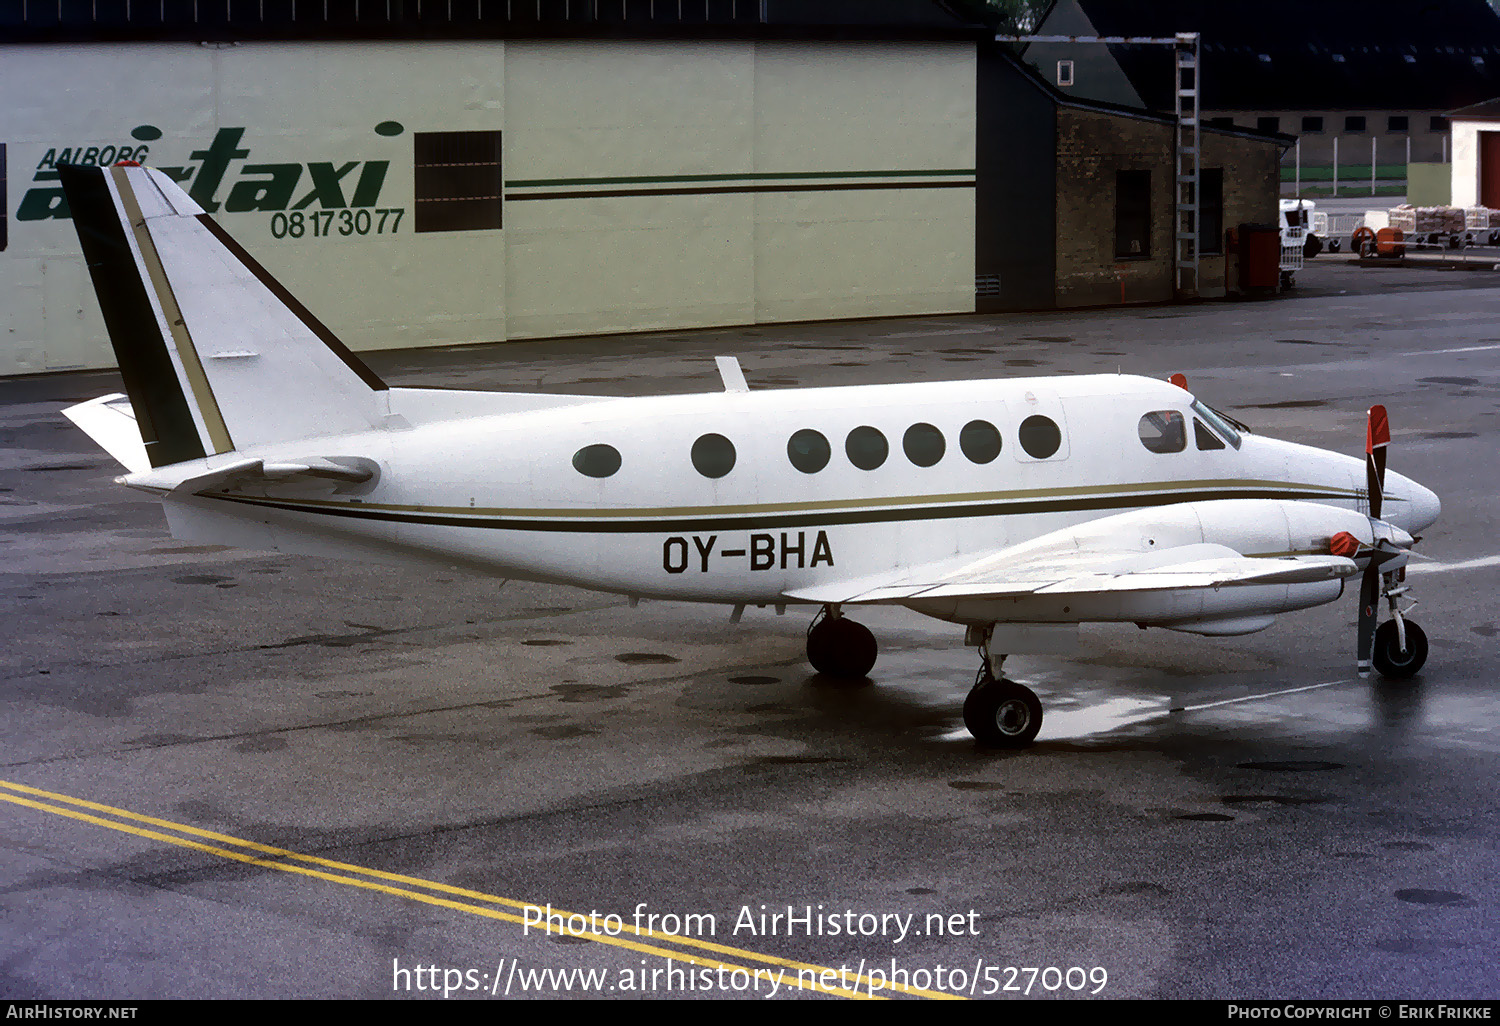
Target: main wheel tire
point(1389, 660)
point(1334, 245)
point(840, 647)
point(1312, 246)
point(1003, 714)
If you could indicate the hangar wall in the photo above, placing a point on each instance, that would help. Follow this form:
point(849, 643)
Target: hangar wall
point(646, 184)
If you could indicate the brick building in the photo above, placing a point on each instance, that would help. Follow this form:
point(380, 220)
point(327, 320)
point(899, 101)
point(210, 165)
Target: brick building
point(1335, 69)
point(1074, 202)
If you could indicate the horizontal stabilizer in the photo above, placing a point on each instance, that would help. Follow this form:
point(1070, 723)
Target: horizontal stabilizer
point(240, 473)
point(110, 422)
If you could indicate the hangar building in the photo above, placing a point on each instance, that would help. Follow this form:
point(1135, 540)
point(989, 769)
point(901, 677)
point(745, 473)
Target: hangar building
point(435, 172)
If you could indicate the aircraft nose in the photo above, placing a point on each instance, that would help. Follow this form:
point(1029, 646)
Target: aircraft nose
point(1422, 507)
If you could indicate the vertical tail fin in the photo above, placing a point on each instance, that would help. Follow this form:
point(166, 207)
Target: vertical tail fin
point(216, 355)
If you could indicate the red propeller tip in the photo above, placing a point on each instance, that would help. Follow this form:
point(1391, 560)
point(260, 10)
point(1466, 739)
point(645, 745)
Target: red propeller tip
point(1378, 430)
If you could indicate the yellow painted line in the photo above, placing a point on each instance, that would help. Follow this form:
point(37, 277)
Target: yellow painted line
point(345, 867)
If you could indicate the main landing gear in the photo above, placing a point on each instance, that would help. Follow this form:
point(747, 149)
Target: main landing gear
point(1000, 713)
point(839, 647)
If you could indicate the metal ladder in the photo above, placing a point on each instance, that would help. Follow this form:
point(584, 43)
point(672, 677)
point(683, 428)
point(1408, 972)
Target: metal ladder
point(1185, 207)
point(1189, 164)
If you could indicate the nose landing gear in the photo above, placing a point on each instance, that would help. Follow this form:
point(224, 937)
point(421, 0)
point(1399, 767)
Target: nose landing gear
point(1400, 645)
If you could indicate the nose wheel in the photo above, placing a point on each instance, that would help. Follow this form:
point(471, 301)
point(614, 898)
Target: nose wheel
point(1397, 657)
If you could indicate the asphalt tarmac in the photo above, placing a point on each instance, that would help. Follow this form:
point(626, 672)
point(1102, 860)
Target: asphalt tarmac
point(237, 774)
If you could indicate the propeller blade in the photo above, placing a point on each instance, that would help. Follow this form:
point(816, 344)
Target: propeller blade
point(1377, 438)
point(1369, 601)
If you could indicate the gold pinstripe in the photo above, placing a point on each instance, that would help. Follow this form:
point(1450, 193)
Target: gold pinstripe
point(837, 505)
point(208, 406)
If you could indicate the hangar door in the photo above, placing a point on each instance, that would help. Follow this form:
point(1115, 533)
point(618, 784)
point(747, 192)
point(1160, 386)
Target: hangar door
point(1489, 169)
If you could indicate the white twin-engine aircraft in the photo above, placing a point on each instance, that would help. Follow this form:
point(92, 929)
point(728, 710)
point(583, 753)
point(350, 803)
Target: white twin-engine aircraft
point(1018, 508)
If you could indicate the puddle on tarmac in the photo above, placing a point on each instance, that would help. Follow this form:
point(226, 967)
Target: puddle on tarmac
point(1062, 724)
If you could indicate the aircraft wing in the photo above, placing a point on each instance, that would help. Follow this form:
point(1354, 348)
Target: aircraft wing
point(1202, 565)
point(1219, 563)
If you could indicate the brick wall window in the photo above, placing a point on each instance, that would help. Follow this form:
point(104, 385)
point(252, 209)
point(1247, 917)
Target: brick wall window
point(1354, 123)
point(1211, 210)
point(1132, 214)
point(1397, 123)
point(1312, 123)
point(1271, 124)
point(457, 181)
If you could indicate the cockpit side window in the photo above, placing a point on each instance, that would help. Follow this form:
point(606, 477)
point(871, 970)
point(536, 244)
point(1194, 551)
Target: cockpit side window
point(1218, 423)
point(1163, 431)
point(1205, 438)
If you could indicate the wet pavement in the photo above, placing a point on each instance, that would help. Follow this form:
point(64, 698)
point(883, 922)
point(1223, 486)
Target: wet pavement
point(236, 774)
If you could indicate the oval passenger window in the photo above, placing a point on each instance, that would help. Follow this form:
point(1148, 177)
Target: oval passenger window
point(808, 450)
point(713, 455)
point(866, 448)
point(1040, 436)
point(980, 441)
point(597, 460)
point(924, 444)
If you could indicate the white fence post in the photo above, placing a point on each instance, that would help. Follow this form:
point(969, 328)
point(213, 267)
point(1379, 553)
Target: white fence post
point(1372, 165)
point(1335, 165)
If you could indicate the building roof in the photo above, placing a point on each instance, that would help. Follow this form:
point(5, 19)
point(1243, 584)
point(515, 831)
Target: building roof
point(1062, 99)
point(1323, 55)
point(1489, 110)
point(234, 20)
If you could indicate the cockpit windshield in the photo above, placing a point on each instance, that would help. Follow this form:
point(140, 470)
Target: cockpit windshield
point(1220, 423)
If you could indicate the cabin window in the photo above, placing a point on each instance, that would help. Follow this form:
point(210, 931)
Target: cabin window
point(1205, 438)
point(980, 441)
point(713, 455)
point(597, 460)
point(1040, 436)
point(1064, 73)
point(924, 444)
point(866, 448)
point(808, 450)
point(1163, 431)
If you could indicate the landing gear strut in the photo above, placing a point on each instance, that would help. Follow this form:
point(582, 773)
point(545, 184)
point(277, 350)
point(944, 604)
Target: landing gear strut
point(1000, 713)
point(839, 647)
point(1400, 645)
